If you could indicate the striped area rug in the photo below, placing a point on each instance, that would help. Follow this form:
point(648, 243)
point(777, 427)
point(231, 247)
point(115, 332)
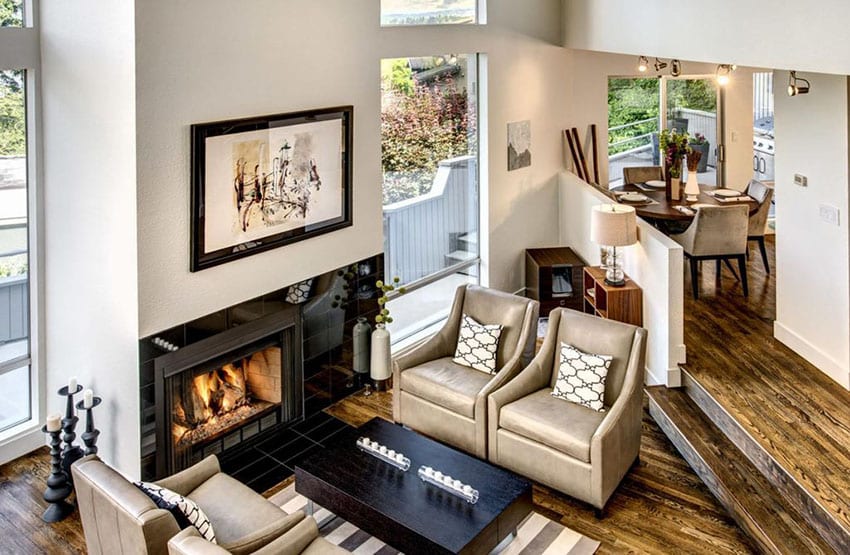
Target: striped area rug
point(537, 535)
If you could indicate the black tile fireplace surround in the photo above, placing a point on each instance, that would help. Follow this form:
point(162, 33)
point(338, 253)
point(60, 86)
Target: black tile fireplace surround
point(313, 340)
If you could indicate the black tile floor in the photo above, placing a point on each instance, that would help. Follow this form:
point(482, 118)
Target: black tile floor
point(273, 460)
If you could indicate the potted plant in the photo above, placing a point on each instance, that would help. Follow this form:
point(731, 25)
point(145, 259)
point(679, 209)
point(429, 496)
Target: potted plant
point(700, 144)
point(380, 361)
point(674, 147)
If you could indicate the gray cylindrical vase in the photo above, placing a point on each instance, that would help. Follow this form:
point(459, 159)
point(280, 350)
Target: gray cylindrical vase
point(362, 338)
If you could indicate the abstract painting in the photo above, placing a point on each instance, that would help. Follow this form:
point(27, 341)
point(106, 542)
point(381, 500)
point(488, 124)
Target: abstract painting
point(261, 183)
point(519, 145)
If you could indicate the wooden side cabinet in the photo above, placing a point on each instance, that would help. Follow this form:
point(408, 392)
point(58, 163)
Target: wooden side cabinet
point(624, 304)
point(553, 276)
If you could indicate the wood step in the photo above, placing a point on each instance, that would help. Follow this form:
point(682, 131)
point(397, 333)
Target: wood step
point(759, 510)
point(796, 494)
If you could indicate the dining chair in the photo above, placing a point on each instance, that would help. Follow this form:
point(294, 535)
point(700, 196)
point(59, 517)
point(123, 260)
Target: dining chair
point(717, 233)
point(642, 174)
point(762, 193)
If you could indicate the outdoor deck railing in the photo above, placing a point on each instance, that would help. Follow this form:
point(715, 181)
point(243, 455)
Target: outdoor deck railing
point(14, 308)
point(421, 233)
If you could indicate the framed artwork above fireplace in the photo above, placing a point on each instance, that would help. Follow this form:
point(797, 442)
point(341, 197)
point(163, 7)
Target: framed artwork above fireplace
point(264, 182)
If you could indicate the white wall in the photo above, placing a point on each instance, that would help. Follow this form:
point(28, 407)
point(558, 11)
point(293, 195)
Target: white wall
point(589, 104)
point(812, 276)
point(654, 263)
point(806, 36)
point(89, 161)
point(202, 60)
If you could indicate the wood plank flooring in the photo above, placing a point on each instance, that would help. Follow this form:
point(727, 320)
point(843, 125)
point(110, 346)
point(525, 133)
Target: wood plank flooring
point(794, 411)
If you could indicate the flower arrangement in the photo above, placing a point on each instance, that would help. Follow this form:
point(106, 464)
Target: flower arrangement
point(383, 317)
point(699, 139)
point(674, 145)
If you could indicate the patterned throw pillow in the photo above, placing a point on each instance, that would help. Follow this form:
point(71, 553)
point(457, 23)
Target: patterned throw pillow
point(581, 377)
point(185, 511)
point(477, 345)
point(299, 292)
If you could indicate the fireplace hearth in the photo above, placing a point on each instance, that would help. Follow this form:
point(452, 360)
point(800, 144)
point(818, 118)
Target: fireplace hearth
point(218, 394)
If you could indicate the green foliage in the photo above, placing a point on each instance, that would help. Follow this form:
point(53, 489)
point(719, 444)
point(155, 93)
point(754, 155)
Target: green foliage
point(675, 147)
point(383, 317)
point(418, 130)
point(12, 121)
point(631, 100)
point(695, 94)
point(11, 13)
point(13, 266)
point(401, 77)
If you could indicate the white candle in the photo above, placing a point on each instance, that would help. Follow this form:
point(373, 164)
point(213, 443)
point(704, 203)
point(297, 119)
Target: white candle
point(54, 423)
point(88, 398)
point(72, 385)
point(391, 454)
point(399, 457)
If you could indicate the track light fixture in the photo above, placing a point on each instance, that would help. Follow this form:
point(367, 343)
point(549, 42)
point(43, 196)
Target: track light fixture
point(643, 63)
point(659, 65)
point(723, 72)
point(675, 68)
point(796, 86)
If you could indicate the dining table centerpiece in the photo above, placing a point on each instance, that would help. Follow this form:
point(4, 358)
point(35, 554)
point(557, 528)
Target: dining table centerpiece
point(674, 146)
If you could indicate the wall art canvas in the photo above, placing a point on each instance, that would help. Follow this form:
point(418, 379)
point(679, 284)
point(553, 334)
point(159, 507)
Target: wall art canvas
point(519, 145)
point(261, 183)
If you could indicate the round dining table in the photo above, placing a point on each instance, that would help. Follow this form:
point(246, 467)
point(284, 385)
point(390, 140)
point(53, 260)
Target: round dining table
point(663, 209)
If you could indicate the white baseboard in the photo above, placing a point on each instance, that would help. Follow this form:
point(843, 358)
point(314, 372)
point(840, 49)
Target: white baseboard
point(21, 445)
point(805, 349)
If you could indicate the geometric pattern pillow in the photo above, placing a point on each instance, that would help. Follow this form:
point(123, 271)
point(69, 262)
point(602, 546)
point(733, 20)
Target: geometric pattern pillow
point(185, 511)
point(300, 292)
point(581, 377)
point(477, 345)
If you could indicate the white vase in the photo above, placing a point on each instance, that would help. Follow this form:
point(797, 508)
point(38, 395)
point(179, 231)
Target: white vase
point(381, 362)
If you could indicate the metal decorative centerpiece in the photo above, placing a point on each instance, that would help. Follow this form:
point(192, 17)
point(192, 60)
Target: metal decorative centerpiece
point(58, 487)
point(89, 437)
point(449, 484)
point(70, 452)
point(379, 451)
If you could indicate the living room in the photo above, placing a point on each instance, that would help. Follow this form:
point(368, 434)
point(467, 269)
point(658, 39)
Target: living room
point(114, 92)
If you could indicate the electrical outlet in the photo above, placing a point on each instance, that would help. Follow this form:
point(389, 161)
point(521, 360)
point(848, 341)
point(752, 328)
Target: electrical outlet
point(829, 214)
point(801, 180)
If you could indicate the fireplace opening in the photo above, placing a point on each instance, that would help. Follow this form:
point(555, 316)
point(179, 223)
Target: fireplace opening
point(222, 393)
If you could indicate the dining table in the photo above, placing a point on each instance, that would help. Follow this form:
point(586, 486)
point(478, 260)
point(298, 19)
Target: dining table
point(657, 208)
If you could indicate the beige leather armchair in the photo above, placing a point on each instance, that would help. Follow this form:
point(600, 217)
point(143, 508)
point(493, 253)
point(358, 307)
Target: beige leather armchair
point(303, 538)
point(569, 447)
point(448, 401)
point(119, 518)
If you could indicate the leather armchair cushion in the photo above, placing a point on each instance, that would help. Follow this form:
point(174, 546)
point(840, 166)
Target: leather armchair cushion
point(243, 521)
point(561, 425)
point(446, 384)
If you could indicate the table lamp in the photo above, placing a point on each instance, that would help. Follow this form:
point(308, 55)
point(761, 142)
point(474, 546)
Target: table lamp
point(613, 225)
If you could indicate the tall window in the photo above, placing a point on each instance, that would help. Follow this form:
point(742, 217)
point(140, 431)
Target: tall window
point(429, 140)
point(429, 12)
point(18, 378)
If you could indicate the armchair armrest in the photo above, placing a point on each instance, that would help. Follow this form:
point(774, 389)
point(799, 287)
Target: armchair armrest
point(185, 481)
point(260, 539)
point(190, 542)
point(294, 541)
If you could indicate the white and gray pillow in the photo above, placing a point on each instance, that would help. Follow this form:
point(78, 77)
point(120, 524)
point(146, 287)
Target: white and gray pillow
point(185, 511)
point(581, 377)
point(477, 345)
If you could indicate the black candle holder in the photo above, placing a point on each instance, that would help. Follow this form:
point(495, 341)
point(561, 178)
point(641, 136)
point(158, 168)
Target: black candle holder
point(58, 487)
point(70, 453)
point(89, 437)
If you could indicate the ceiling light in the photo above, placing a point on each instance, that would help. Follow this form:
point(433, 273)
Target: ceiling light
point(659, 65)
point(722, 73)
point(642, 64)
point(795, 85)
point(675, 68)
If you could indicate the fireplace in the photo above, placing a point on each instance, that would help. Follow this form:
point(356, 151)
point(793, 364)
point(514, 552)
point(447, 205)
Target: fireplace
point(227, 391)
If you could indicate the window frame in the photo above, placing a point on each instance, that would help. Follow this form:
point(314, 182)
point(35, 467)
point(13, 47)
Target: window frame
point(479, 19)
point(20, 50)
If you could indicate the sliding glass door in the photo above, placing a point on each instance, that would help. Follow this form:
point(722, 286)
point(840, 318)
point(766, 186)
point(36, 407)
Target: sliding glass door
point(693, 104)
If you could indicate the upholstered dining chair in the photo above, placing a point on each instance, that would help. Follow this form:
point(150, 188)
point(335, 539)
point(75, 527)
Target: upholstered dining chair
point(642, 174)
point(716, 233)
point(118, 518)
point(762, 193)
point(564, 445)
point(448, 401)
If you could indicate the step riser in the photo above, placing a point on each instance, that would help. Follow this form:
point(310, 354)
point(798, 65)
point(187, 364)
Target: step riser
point(711, 481)
point(815, 515)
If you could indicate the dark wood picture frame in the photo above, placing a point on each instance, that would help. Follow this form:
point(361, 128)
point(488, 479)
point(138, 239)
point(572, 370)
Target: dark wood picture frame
point(201, 258)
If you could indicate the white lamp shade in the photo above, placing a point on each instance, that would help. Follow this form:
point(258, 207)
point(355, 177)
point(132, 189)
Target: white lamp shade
point(613, 225)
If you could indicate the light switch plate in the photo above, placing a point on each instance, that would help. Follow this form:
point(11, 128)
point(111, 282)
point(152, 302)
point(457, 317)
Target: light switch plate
point(829, 214)
point(801, 180)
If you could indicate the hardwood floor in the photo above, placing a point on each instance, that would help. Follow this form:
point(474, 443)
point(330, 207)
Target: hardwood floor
point(661, 506)
point(795, 412)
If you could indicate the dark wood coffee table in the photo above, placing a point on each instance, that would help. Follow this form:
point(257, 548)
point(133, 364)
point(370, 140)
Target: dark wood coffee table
point(402, 510)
